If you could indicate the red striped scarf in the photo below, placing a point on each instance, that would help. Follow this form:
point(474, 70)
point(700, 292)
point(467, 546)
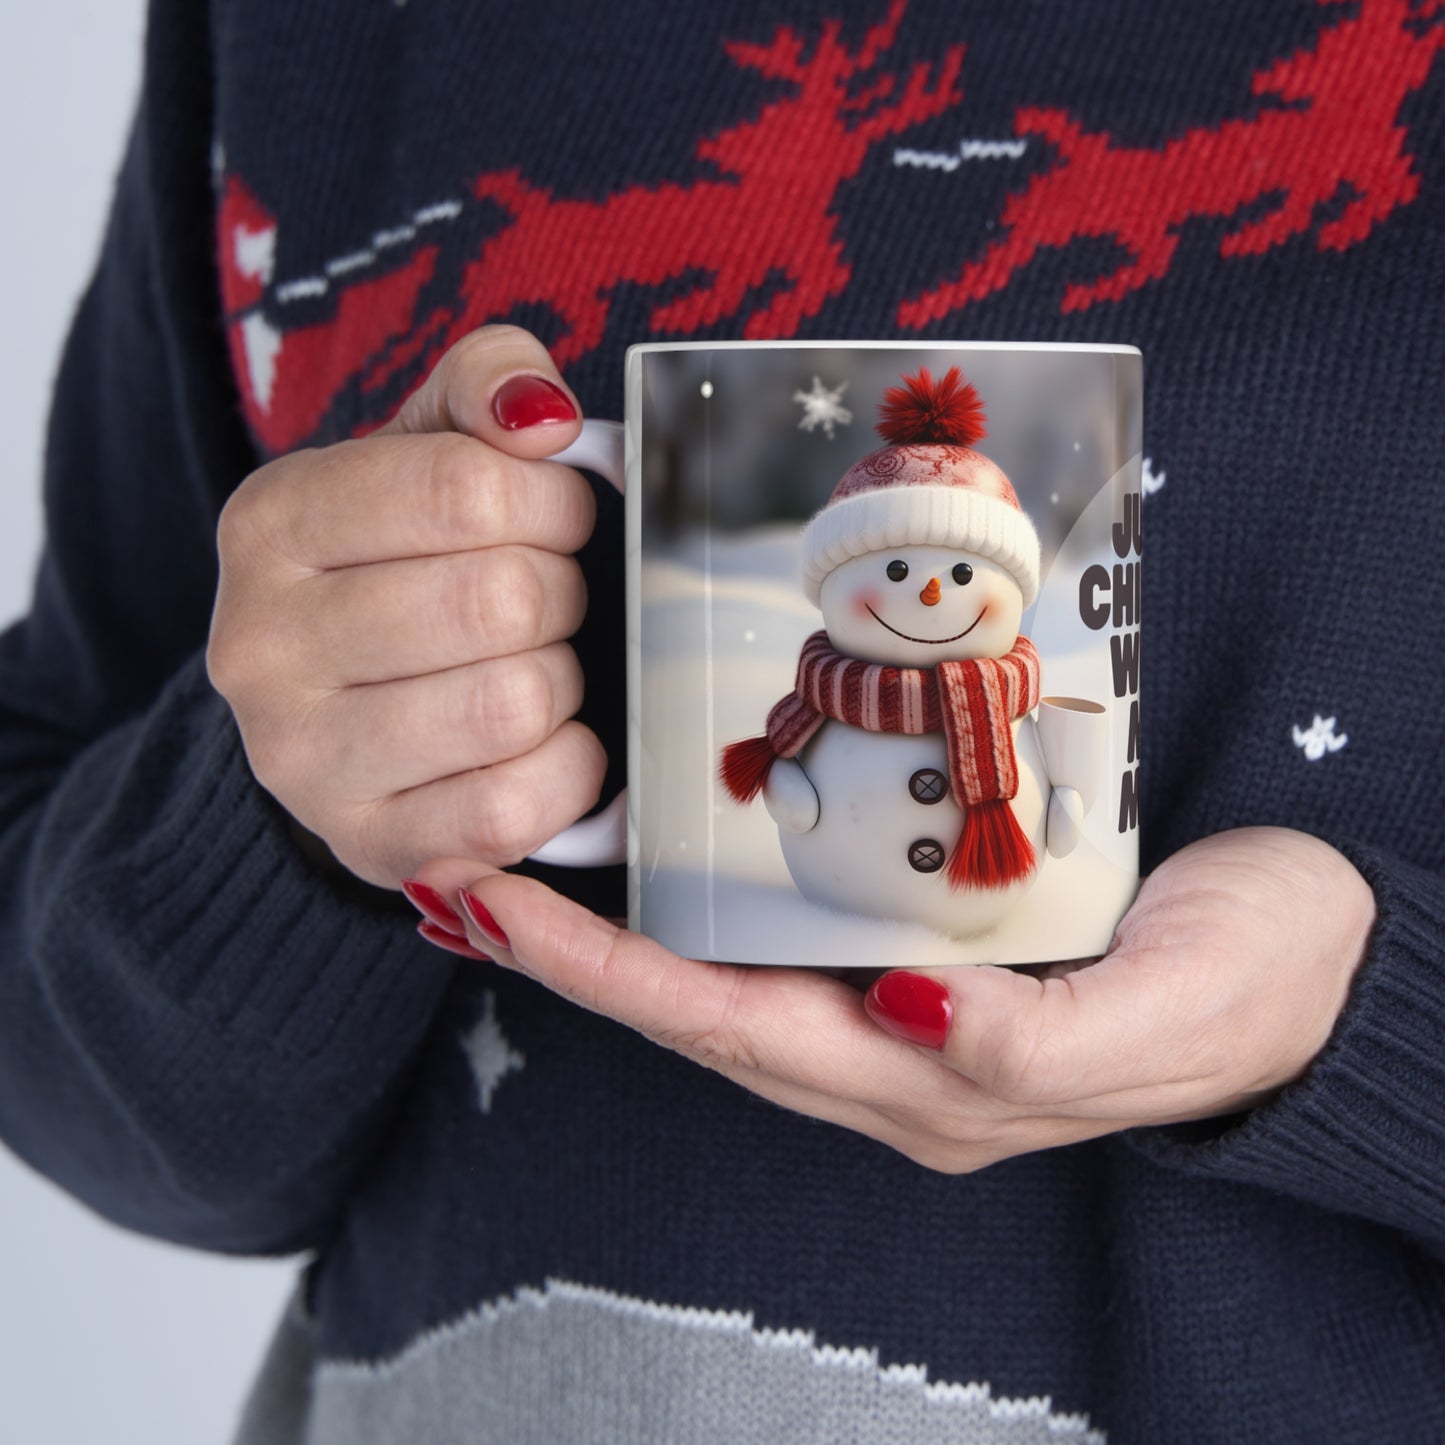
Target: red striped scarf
point(973, 703)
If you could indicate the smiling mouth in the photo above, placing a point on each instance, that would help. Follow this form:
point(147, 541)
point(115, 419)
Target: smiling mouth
point(931, 641)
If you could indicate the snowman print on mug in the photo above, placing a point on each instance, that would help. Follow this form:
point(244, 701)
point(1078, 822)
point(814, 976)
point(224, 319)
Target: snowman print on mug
point(905, 770)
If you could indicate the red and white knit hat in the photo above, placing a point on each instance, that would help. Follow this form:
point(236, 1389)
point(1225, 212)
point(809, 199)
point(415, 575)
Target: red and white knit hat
point(927, 487)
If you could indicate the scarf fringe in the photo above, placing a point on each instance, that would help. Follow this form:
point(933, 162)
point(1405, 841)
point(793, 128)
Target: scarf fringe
point(745, 767)
point(992, 851)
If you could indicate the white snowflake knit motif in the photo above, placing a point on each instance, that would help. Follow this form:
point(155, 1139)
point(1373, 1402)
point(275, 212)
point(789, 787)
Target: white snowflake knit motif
point(1319, 738)
point(489, 1053)
point(822, 407)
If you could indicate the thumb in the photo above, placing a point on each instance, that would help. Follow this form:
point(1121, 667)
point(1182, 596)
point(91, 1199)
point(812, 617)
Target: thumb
point(1026, 1040)
point(500, 386)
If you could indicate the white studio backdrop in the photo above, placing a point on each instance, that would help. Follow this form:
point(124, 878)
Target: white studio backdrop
point(103, 1335)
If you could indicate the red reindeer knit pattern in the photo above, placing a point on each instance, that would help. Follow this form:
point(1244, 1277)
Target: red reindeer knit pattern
point(974, 703)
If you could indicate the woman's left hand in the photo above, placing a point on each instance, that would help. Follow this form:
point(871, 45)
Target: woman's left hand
point(1222, 983)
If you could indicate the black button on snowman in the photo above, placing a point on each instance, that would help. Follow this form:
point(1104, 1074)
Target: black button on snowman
point(928, 785)
point(922, 563)
point(926, 855)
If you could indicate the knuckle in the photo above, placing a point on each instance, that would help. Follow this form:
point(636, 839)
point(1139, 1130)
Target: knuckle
point(466, 371)
point(568, 686)
point(250, 502)
point(588, 766)
point(251, 659)
point(1006, 1068)
point(485, 340)
point(224, 659)
point(464, 607)
point(463, 488)
point(505, 819)
point(239, 657)
point(569, 510)
point(510, 604)
point(714, 1050)
point(594, 988)
point(516, 705)
point(1019, 1064)
point(257, 512)
point(718, 1043)
point(239, 530)
point(505, 333)
point(234, 525)
point(462, 355)
point(571, 589)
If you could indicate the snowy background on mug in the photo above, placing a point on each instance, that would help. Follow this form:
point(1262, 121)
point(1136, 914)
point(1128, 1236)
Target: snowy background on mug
point(103, 1335)
point(738, 450)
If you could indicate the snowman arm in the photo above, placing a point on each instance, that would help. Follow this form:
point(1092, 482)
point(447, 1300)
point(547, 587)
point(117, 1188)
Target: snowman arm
point(1066, 821)
point(790, 798)
point(1072, 733)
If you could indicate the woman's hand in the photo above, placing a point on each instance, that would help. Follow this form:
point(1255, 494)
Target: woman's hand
point(390, 623)
point(1221, 985)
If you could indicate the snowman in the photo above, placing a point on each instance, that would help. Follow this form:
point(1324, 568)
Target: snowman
point(904, 771)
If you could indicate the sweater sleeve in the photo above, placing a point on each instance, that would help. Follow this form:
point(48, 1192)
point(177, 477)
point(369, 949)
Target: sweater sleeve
point(201, 1036)
point(1363, 1131)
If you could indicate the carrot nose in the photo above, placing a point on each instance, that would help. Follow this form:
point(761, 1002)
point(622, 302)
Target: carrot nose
point(930, 594)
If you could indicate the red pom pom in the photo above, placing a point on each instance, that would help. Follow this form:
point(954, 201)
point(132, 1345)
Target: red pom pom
point(924, 411)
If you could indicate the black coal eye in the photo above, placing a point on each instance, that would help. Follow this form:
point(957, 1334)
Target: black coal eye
point(897, 570)
point(963, 574)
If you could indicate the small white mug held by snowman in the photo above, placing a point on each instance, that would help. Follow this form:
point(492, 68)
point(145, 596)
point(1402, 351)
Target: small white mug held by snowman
point(883, 650)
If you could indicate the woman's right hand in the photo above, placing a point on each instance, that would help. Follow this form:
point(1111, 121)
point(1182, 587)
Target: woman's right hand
point(390, 624)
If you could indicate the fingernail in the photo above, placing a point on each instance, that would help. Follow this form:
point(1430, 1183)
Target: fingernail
point(529, 401)
point(912, 1008)
point(427, 901)
point(481, 916)
point(450, 941)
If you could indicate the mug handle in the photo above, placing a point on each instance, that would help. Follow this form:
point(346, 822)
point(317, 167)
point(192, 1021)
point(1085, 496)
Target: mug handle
point(601, 839)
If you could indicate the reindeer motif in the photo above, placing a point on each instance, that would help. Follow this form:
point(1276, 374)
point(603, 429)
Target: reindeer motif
point(762, 236)
point(1336, 127)
point(770, 217)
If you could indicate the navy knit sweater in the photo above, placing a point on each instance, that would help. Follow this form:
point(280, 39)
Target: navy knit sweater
point(529, 1224)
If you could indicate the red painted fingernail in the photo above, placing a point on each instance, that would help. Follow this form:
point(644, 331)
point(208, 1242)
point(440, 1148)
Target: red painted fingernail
point(912, 1008)
point(427, 901)
point(450, 941)
point(529, 401)
point(480, 915)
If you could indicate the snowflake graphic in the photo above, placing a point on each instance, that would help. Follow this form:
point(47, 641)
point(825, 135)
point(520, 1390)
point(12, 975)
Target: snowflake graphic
point(823, 408)
point(489, 1053)
point(1319, 738)
point(1152, 481)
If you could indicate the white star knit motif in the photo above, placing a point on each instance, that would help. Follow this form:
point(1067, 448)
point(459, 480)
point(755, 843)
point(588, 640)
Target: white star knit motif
point(489, 1053)
point(1319, 738)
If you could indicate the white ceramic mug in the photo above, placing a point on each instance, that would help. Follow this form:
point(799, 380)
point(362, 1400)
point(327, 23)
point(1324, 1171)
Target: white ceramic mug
point(966, 791)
